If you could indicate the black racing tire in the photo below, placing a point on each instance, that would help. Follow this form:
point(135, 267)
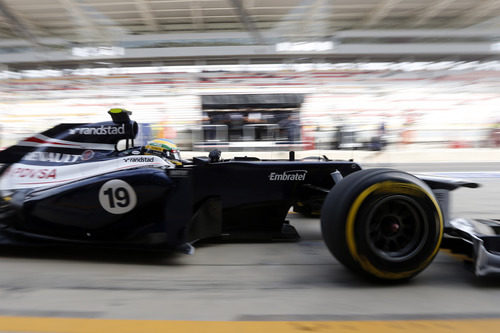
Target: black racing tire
point(382, 223)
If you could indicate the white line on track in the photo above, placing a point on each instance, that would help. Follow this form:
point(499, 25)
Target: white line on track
point(465, 174)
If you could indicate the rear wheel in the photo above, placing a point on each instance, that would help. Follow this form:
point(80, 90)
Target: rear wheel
point(382, 223)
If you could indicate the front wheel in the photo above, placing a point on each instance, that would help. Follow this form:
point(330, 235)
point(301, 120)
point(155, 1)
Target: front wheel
point(382, 223)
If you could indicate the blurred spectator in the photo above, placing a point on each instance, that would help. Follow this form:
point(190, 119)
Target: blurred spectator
point(219, 118)
point(407, 131)
point(494, 137)
point(256, 118)
point(236, 122)
point(167, 131)
point(291, 127)
point(378, 141)
point(208, 129)
point(337, 136)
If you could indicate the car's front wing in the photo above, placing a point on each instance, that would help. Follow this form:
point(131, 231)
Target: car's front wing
point(477, 241)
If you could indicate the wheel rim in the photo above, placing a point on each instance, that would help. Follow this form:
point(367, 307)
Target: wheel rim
point(397, 228)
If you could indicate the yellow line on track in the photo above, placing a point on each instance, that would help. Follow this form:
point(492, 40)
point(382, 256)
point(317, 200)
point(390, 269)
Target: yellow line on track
point(73, 325)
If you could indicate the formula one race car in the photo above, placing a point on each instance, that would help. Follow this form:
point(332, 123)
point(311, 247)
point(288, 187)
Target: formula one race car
point(72, 185)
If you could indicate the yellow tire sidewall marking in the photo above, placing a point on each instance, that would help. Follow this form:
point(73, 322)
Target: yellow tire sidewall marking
point(391, 187)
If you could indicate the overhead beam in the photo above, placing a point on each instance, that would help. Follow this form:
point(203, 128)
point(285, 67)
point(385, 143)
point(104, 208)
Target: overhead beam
point(18, 25)
point(206, 36)
point(5, 34)
point(315, 19)
point(147, 15)
point(292, 20)
point(490, 24)
point(380, 12)
point(220, 27)
point(432, 11)
point(353, 51)
point(247, 21)
point(90, 30)
point(195, 36)
point(480, 10)
point(196, 15)
point(453, 33)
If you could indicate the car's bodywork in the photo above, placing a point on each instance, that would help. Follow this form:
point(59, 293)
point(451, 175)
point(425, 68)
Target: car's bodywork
point(70, 185)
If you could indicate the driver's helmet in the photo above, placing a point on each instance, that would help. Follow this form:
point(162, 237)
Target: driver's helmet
point(163, 148)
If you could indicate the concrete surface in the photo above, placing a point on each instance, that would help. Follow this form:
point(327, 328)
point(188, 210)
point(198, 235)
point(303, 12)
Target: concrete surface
point(250, 281)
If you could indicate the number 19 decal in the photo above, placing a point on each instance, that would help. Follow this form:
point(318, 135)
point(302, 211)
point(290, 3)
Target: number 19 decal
point(117, 196)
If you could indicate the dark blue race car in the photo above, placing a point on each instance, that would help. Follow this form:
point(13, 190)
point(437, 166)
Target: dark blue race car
point(72, 185)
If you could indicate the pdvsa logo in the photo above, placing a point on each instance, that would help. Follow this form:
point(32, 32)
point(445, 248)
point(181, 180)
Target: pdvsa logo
point(290, 175)
point(34, 173)
point(101, 130)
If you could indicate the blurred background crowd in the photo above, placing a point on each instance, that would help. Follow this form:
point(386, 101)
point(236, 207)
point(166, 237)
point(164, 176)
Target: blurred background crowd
point(256, 74)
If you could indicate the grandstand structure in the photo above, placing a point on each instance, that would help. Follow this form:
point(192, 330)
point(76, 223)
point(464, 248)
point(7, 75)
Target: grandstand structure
point(428, 68)
point(72, 32)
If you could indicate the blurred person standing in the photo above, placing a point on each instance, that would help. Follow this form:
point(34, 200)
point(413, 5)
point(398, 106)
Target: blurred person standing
point(294, 128)
point(407, 131)
point(207, 127)
point(337, 136)
point(291, 127)
point(494, 136)
point(255, 118)
point(378, 141)
point(236, 122)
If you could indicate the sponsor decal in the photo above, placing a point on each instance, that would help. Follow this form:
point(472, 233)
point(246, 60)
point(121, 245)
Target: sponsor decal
point(44, 156)
point(101, 130)
point(290, 175)
point(34, 173)
point(45, 141)
point(141, 159)
point(87, 155)
point(117, 196)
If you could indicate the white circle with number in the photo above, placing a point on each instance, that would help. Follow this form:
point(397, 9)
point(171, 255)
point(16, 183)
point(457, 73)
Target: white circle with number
point(117, 196)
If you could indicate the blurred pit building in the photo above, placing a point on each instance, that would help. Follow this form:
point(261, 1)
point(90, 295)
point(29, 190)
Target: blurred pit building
point(257, 74)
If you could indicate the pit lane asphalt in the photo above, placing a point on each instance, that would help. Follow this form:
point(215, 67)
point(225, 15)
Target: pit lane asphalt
point(249, 281)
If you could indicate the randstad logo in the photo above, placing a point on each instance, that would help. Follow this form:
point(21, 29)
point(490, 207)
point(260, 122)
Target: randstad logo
point(288, 175)
point(102, 130)
point(141, 159)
